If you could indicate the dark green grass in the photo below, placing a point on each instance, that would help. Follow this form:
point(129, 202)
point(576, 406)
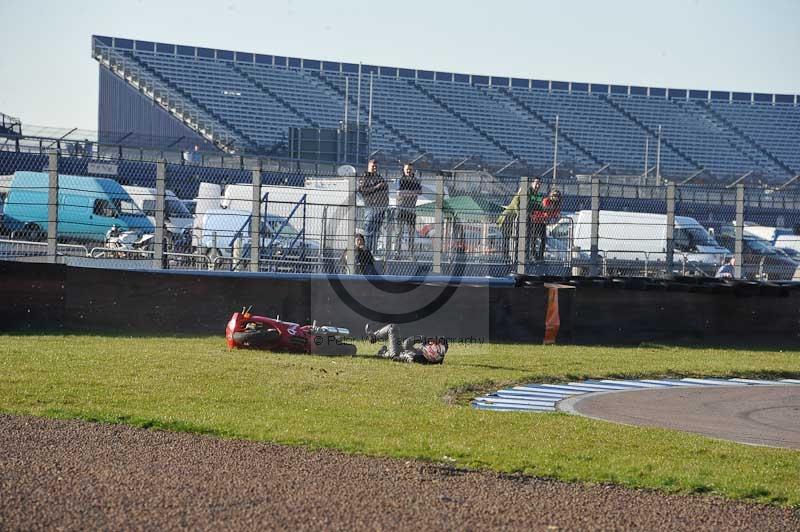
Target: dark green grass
point(377, 407)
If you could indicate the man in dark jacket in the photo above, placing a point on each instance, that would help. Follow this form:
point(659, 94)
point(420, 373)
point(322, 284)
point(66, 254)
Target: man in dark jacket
point(375, 193)
point(407, 193)
point(534, 239)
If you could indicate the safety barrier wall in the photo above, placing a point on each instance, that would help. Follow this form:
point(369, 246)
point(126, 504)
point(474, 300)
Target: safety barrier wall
point(39, 297)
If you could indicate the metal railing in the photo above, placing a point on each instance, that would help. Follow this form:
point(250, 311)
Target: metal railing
point(21, 248)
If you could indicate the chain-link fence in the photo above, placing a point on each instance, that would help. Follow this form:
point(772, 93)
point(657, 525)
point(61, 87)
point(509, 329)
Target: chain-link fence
point(121, 213)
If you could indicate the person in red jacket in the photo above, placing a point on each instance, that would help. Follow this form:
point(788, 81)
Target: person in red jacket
point(540, 218)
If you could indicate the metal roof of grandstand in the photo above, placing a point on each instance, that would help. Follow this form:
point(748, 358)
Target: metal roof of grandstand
point(411, 73)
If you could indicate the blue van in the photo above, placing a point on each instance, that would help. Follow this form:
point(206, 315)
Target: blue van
point(87, 208)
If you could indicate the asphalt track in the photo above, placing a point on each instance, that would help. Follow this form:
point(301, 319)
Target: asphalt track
point(72, 475)
point(756, 415)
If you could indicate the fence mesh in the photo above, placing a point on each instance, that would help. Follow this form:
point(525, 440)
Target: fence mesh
point(769, 237)
point(246, 214)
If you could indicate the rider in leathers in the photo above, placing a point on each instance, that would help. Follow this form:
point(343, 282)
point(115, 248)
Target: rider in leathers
point(429, 351)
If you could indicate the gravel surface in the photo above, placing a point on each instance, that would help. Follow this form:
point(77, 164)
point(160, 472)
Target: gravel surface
point(758, 415)
point(76, 475)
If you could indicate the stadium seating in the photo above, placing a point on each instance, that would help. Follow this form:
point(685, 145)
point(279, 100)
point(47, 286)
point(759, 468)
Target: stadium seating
point(254, 100)
point(774, 127)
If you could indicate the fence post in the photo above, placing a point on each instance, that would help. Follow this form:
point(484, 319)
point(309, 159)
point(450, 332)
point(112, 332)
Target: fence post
point(161, 192)
point(522, 226)
point(255, 221)
point(52, 208)
point(658, 158)
point(594, 267)
point(350, 231)
point(438, 224)
point(739, 245)
point(670, 249)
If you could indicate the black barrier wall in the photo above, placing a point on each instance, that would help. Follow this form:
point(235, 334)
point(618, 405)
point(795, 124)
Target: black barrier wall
point(45, 297)
point(743, 315)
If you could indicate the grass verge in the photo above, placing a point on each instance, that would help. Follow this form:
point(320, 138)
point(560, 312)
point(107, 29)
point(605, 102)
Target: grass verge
point(376, 407)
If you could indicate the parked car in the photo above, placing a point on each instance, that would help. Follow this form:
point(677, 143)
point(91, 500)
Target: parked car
point(783, 238)
point(789, 243)
point(761, 260)
point(793, 253)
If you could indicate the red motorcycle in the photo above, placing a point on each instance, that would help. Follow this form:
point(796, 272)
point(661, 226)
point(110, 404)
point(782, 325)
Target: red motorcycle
point(258, 332)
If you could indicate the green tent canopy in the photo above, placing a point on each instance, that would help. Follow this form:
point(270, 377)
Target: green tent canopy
point(465, 208)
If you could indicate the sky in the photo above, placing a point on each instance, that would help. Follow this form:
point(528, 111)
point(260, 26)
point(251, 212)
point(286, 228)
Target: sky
point(49, 78)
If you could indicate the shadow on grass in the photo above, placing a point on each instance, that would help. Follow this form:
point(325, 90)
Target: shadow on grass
point(789, 343)
point(55, 331)
point(486, 366)
point(138, 422)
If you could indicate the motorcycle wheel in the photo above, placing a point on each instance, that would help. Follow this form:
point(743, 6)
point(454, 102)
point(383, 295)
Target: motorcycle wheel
point(258, 338)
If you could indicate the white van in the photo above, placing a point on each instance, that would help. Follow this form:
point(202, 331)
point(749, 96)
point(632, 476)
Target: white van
point(177, 217)
point(322, 213)
point(765, 232)
point(639, 236)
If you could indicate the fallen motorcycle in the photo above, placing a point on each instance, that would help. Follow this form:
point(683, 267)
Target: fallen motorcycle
point(245, 330)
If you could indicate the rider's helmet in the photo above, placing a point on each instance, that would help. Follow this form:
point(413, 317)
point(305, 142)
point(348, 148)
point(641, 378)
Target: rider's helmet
point(113, 231)
point(434, 350)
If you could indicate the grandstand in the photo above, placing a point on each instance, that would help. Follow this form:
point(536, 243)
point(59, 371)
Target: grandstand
point(9, 125)
point(240, 102)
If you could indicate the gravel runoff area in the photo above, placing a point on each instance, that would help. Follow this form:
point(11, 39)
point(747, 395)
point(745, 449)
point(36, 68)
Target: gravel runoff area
point(71, 475)
point(758, 415)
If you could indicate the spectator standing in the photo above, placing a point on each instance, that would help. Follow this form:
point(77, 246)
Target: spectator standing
point(508, 218)
point(375, 193)
point(534, 240)
point(407, 194)
point(549, 211)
